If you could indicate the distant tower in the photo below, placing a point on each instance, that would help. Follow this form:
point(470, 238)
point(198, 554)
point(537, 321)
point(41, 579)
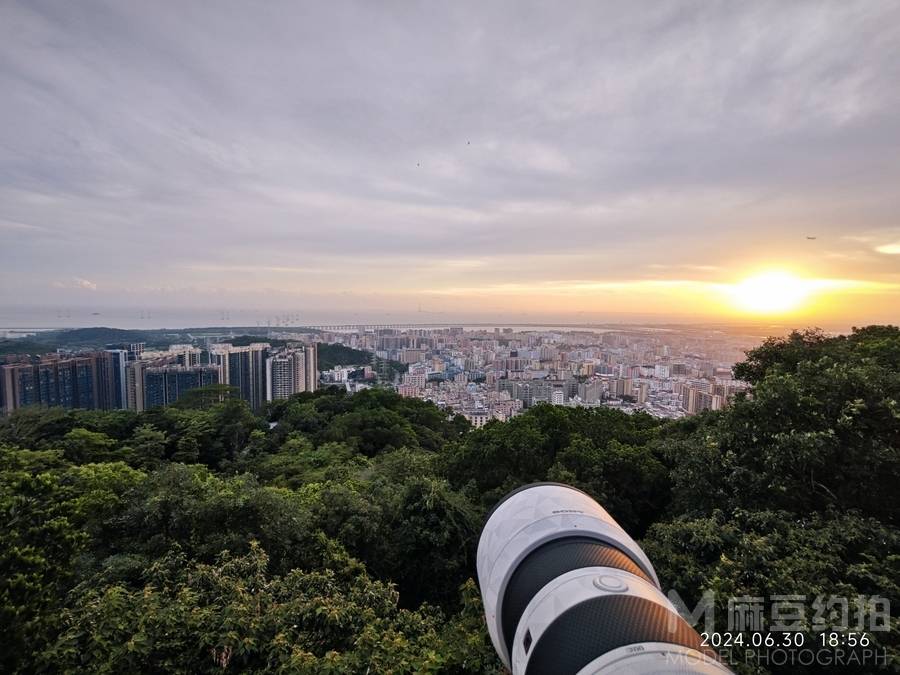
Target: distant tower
point(312, 366)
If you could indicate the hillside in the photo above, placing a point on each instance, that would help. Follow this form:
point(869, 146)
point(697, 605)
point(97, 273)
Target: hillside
point(340, 355)
point(342, 539)
point(88, 338)
point(329, 355)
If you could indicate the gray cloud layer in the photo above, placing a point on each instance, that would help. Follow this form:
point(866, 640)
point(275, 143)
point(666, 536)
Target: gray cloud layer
point(395, 146)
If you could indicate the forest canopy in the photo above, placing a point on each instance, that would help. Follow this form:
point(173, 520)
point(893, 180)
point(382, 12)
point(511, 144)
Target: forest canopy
point(336, 533)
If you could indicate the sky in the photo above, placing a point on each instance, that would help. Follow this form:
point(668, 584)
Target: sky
point(676, 161)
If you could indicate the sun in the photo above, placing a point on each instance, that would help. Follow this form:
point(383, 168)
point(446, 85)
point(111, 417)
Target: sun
point(771, 293)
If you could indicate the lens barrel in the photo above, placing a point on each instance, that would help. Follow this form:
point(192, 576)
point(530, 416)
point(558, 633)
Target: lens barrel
point(566, 590)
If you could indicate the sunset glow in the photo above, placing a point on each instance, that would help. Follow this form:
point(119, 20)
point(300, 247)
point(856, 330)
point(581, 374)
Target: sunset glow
point(771, 293)
point(541, 174)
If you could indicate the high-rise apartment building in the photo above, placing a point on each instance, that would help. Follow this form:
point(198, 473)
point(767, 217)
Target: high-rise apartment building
point(291, 372)
point(133, 350)
point(186, 355)
point(134, 385)
point(641, 392)
point(690, 400)
point(163, 385)
point(20, 386)
point(72, 382)
point(112, 392)
point(616, 388)
point(164, 389)
point(532, 392)
point(410, 356)
point(47, 382)
point(280, 377)
point(416, 379)
point(312, 367)
point(243, 368)
point(84, 369)
point(590, 392)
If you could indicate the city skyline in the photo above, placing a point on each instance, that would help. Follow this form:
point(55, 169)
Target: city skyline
point(482, 374)
point(673, 163)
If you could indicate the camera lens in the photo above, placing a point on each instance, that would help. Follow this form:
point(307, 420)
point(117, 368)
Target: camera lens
point(567, 590)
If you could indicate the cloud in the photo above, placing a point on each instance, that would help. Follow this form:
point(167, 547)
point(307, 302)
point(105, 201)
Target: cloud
point(76, 282)
point(13, 225)
point(363, 146)
point(592, 287)
point(889, 249)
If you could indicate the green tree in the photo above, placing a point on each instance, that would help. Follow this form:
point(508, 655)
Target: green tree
point(815, 434)
point(36, 427)
point(82, 446)
point(205, 398)
point(630, 482)
point(430, 549)
point(52, 515)
point(372, 430)
point(342, 538)
point(146, 448)
point(234, 615)
point(765, 553)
